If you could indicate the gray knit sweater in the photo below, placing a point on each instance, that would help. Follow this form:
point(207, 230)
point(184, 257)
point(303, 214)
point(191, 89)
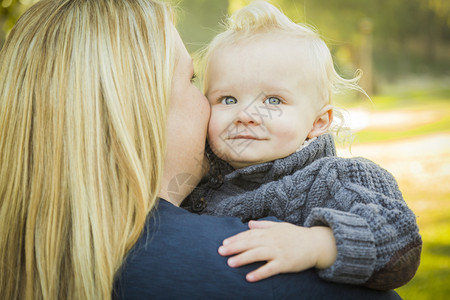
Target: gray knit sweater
point(376, 233)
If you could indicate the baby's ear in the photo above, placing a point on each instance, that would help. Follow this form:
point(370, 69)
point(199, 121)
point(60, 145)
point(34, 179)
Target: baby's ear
point(322, 122)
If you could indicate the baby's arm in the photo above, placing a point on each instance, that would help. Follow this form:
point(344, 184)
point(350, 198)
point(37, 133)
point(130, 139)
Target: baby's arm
point(285, 248)
point(376, 233)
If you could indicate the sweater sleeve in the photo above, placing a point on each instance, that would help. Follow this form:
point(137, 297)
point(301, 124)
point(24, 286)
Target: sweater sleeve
point(376, 233)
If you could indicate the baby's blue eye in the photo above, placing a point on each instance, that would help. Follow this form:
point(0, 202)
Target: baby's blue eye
point(229, 100)
point(272, 101)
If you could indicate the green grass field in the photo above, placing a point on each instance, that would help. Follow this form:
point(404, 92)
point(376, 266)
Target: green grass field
point(423, 172)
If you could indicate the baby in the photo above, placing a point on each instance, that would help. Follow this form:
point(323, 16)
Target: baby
point(269, 82)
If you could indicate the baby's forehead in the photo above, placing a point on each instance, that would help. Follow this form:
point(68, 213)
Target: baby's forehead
point(290, 48)
point(274, 50)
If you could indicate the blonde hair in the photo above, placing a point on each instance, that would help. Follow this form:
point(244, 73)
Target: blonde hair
point(84, 88)
point(259, 18)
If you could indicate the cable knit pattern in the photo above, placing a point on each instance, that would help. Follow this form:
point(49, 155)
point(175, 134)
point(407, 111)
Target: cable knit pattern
point(357, 199)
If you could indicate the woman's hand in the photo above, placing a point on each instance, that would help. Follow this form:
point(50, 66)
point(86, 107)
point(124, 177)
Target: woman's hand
point(285, 248)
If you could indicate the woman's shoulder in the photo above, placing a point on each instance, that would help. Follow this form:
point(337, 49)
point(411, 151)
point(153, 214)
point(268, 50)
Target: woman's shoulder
point(177, 256)
point(171, 217)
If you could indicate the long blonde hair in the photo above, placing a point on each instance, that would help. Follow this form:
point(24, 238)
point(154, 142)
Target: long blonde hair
point(84, 88)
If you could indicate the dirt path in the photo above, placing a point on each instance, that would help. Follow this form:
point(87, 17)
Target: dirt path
point(420, 163)
point(424, 160)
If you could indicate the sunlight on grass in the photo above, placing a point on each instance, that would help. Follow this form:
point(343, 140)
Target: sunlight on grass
point(412, 99)
point(431, 280)
point(395, 133)
point(406, 130)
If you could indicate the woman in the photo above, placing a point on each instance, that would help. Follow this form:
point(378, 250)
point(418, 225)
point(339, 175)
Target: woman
point(94, 96)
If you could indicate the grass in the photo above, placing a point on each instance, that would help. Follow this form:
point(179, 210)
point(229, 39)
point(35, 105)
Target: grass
point(428, 197)
point(441, 124)
point(432, 280)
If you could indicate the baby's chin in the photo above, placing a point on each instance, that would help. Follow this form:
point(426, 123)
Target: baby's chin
point(236, 160)
point(243, 160)
point(239, 158)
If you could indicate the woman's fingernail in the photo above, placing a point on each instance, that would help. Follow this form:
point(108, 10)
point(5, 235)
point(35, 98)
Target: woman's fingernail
point(225, 242)
point(222, 250)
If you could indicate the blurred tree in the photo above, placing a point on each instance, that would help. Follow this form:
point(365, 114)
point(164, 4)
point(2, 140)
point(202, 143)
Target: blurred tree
point(338, 23)
point(408, 35)
point(199, 21)
point(10, 11)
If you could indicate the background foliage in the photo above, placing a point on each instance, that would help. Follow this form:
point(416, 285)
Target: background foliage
point(403, 47)
point(407, 36)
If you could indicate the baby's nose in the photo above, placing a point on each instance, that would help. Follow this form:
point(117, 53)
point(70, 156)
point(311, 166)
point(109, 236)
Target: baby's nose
point(248, 116)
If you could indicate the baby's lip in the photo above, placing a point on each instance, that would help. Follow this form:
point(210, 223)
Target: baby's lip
point(246, 137)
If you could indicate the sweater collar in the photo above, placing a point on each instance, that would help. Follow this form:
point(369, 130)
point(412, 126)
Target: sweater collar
point(321, 147)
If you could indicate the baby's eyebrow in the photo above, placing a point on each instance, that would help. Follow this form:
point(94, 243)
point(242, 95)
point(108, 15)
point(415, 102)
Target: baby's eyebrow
point(214, 92)
point(220, 91)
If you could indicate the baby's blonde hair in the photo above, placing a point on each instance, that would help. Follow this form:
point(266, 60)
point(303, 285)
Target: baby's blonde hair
point(259, 18)
point(84, 89)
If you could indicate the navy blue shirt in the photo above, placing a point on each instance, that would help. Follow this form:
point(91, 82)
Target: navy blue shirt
point(176, 258)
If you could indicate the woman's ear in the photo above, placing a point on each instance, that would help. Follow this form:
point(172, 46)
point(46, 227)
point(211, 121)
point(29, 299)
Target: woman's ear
point(322, 122)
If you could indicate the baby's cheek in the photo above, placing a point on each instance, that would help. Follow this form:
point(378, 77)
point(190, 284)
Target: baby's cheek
point(214, 137)
point(212, 131)
point(218, 124)
point(291, 136)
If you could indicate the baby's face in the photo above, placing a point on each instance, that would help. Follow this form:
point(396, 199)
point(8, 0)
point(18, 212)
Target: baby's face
point(264, 98)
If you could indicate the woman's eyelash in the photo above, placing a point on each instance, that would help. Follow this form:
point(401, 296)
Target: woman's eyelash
point(194, 76)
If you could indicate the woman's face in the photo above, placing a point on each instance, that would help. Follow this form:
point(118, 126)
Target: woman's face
point(187, 123)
